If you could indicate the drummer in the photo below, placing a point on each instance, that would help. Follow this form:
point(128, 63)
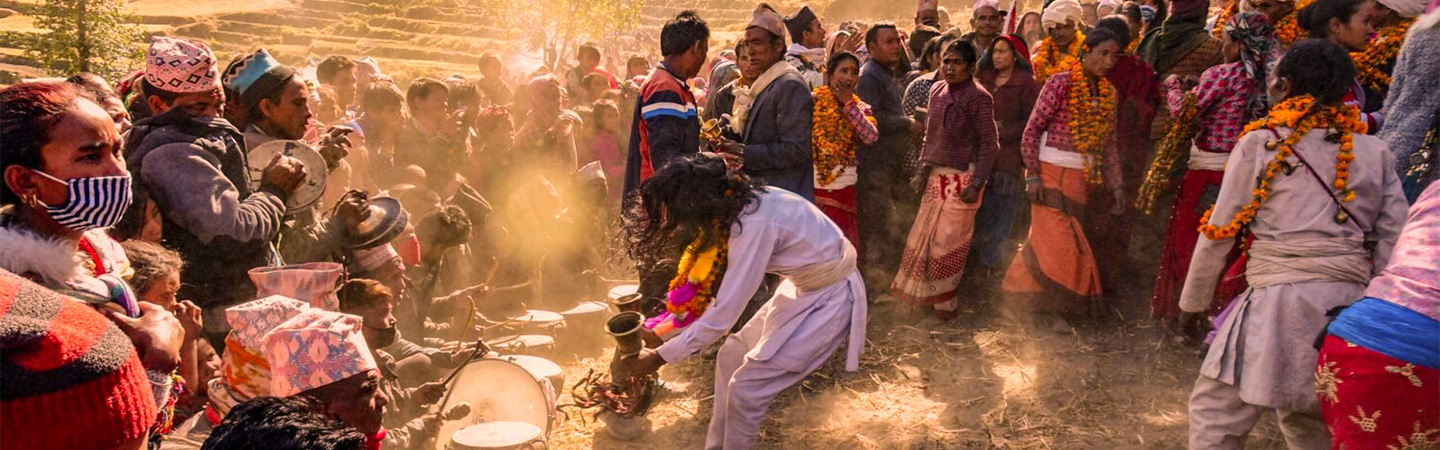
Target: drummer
point(277, 101)
point(407, 415)
point(819, 305)
point(192, 164)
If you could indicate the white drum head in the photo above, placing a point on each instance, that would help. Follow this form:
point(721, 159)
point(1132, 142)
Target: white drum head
point(310, 190)
point(539, 317)
point(623, 290)
point(586, 308)
point(495, 435)
point(540, 367)
point(523, 341)
point(498, 391)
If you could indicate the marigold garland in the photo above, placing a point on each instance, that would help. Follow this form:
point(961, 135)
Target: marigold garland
point(1294, 113)
point(1134, 45)
point(1178, 134)
point(833, 138)
point(1222, 17)
point(1048, 61)
point(1092, 119)
point(694, 287)
point(1288, 30)
point(1380, 52)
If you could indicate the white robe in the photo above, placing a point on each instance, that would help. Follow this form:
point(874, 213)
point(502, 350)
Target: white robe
point(793, 334)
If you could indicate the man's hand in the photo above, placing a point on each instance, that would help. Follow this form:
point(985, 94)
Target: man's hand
point(852, 41)
point(457, 412)
point(647, 362)
point(335, 146)
point(191, 318)
point(429, 393)
point(157, 336)
point(352, 210)
point(284, 172)
point(971, 194)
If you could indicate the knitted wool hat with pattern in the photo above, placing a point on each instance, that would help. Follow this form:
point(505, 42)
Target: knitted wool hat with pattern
point(71, 377)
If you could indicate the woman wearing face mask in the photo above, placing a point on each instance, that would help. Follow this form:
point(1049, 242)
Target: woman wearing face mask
point(64, 183)
point(1005, 72)
point(960, 148)
point(1069, 150)
point(842, 124)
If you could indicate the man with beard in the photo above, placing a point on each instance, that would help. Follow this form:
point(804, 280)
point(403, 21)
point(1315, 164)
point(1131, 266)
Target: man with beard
point(407, 417)
point(877, 162)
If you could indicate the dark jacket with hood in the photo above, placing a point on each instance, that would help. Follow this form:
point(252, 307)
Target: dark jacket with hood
point(195, 170)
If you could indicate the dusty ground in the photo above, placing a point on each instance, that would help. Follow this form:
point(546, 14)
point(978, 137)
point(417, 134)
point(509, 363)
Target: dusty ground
point(981, 381)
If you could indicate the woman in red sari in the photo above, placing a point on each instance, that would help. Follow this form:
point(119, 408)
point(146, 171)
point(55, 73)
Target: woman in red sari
point(842, 124)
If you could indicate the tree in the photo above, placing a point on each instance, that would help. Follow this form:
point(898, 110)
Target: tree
point(86, 36)
point(558, 24)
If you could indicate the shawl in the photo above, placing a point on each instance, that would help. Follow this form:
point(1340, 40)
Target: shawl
point(1165, 47)
point(745, 95)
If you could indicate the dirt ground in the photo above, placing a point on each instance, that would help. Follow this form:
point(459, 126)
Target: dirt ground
point(979, 382)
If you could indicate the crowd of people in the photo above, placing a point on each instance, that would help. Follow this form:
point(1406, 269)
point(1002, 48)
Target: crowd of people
point(168, 279)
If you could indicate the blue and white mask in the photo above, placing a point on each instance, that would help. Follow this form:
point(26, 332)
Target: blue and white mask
point(94, 202)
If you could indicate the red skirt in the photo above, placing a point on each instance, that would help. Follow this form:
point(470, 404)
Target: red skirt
point(839, 206)
point(1373, 401)
point(1190, 204)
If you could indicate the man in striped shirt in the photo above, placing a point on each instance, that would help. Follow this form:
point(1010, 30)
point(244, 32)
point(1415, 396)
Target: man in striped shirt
point(667, 125)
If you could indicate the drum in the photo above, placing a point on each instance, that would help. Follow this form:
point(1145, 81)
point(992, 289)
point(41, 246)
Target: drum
point(525, 343)
point(496, 436)
point(623, 290)
point(535, 321)
point(541, 368)
point(498, 391)
point(583, 325)
point(310, 189)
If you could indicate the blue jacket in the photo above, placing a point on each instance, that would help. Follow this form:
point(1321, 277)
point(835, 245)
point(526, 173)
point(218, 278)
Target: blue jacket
point(778, 133)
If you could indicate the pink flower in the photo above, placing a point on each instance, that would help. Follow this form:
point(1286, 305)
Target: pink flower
point(653, 321)
point(682, 294)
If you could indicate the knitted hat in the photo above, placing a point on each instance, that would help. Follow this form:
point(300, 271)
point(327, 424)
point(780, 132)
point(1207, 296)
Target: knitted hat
point(71, 378)
point(181, 65)
point(766, 18)
point(797, 23)
point(314, 349)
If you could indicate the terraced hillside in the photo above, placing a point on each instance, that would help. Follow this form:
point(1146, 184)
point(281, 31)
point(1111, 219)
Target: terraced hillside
point(411, 38)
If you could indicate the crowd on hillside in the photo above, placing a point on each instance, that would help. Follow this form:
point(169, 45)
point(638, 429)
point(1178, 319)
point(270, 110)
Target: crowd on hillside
point(246, 254)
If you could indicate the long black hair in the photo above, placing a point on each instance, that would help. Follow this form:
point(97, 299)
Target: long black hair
point(1315, 19)
point(1318, 68)
point(690, 195)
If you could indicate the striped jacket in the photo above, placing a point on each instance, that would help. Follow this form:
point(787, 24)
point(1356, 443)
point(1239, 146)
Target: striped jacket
point(666, 126)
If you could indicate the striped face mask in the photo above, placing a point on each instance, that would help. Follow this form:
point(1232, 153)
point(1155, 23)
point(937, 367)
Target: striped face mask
point(94, 202)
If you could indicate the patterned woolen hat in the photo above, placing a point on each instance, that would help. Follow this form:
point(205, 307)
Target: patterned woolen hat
point(314, 349)
point(71, 378)
point(181, 65)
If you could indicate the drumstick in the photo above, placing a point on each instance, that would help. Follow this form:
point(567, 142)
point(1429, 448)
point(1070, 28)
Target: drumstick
point(479, 346)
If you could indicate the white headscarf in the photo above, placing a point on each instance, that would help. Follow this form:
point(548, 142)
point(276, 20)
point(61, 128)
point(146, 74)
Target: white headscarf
point(1406, 8)
point(1060, 12)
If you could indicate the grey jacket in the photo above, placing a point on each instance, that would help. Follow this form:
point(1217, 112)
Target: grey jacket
point(194, 168)
point(1413, 104)
point(878, 89)
point(777, 136)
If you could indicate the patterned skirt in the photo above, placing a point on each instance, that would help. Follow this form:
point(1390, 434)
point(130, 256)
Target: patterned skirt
point(939, 243)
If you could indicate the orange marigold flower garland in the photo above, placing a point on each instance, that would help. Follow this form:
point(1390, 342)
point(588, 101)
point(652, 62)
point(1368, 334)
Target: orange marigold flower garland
point(1092, 119)
point(1288, 30)
point(833, 138)
point(1224, 16)
point(1381, 51)
point(1292, 113)
point(695, 284)
point(1049, 61)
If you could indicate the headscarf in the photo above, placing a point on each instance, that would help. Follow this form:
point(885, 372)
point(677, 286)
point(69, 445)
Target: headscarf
point(1406, 8)
point(545, 87)
point(719, 73)
point(1060, 12)
point(1259, 52)
point(1181, 33)
point(1022, 56)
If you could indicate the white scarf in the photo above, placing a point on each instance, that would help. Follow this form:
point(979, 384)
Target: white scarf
point(745, 95)
point(814, 55)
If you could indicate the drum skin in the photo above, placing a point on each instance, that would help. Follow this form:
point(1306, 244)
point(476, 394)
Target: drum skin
point(498, 391)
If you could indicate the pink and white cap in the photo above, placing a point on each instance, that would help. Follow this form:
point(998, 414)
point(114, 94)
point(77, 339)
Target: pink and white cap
point(314, 349)
point(181, 65)
point(250, 321)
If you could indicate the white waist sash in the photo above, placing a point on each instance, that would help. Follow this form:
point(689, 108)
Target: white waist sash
point(1203, 160)
point(1058, 157)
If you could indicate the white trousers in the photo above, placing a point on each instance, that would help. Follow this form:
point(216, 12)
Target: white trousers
point(744, 387)
point(1219, 419)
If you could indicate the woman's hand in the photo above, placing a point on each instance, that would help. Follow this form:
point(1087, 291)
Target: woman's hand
point(922, 176)
point(1033, 189)
point(971, 194)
